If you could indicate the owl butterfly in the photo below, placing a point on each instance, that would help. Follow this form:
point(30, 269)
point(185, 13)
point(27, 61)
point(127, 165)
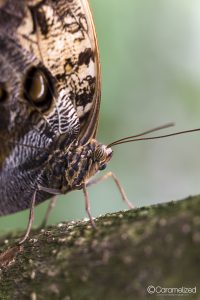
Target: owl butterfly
point(49, 103)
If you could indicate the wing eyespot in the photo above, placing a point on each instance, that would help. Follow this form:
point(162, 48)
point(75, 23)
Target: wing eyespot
point(38, 88)
point(3, 93)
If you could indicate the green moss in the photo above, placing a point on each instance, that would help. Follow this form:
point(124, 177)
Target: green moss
point(129, 251)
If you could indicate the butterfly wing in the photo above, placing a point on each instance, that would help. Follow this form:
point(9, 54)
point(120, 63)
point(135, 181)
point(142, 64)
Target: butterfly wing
point(62, 37)
point(59, 38)
point(90, 121)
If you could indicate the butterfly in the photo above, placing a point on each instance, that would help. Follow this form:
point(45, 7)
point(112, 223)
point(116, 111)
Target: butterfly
point(50, 90)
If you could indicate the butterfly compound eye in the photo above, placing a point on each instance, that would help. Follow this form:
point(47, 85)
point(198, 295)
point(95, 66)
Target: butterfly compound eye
point(3, 92)
point(38, 88)
point(101, 168)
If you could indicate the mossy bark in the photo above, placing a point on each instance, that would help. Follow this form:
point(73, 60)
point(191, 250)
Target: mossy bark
point(157, 245)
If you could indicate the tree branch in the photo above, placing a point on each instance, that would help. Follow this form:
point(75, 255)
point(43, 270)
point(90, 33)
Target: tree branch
point(157, 245)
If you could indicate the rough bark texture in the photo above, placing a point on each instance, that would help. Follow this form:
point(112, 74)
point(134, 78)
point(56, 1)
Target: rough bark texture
point(157, 245)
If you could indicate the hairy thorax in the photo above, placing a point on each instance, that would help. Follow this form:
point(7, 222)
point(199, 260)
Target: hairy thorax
point(71, 168)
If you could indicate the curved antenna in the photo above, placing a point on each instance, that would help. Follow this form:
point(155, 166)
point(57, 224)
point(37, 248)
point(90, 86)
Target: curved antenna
point(167, 125)
point(135, 138)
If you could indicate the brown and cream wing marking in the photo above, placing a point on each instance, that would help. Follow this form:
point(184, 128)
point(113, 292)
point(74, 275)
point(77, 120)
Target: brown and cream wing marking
point(50, 44)
point(61, 35)
point(58, 38)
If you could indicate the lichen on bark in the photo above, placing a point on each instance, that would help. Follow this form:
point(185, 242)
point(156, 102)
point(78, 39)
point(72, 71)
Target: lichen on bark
point(129, 251)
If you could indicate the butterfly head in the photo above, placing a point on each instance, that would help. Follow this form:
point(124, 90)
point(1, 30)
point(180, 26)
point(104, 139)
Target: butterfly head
point(102, 156)
point(84, 161)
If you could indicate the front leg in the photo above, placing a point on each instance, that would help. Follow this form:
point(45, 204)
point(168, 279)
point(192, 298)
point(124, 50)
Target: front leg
point(32, 206)
point(120, 188)
point(31, 218)
point(98, 180)
point(51, 205)
point(87, 205)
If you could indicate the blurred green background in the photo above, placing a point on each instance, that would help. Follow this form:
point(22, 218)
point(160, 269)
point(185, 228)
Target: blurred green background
point(150, 57)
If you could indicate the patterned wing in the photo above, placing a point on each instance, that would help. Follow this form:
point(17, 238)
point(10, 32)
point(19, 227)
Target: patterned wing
point(62, 37)
point(52, 42)
point(59, 38)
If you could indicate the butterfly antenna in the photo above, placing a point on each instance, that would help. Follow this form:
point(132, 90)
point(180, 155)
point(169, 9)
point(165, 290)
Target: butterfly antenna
point(135, 138)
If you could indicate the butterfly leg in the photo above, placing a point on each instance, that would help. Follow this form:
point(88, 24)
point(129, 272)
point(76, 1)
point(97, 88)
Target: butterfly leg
point(87, 205)
point(31, 218)
point(31, 213)
point(51, 205)
point(120, 188)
